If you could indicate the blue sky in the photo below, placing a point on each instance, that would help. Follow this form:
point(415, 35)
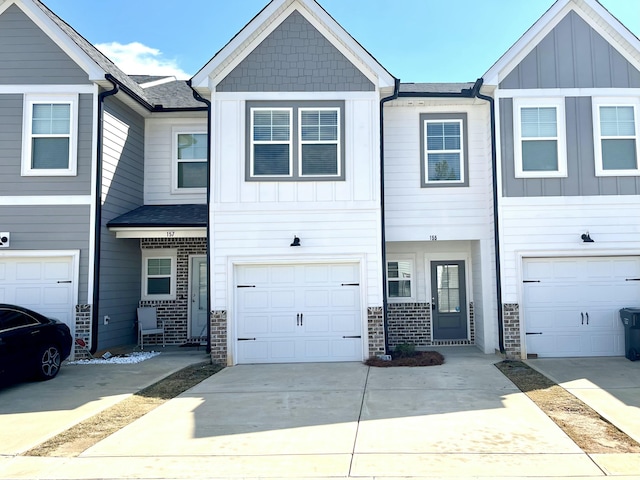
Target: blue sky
point(416, 40)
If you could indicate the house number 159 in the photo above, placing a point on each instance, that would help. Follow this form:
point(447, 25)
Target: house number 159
point(433, 238)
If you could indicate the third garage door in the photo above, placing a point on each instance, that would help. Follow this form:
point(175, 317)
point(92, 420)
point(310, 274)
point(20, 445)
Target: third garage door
point(298, 313)
point(571, 304)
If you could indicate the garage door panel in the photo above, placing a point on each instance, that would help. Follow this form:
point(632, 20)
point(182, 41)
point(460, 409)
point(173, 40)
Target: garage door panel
point(578, 315)
point(306, 321)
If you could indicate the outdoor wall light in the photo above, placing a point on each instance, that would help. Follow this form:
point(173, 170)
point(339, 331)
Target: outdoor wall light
point(586, 238)
point(296, 242)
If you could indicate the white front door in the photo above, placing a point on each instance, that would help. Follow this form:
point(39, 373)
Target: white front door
point(43, 284)
point(198, 309)
point(571, 305)
point(298, 313)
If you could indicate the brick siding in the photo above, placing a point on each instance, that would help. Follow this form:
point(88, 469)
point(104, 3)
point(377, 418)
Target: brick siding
point(219, 337)
point(83, 331)
point(375, 331)
point(511, 324)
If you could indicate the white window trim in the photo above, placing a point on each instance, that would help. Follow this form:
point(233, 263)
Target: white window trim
point(29, 101)
point(402, 258)
point(175, 131)
point(320, 142)
point(598, 102)
point(161, 253)
point(270, 142)
point(558, 103)
point(459, 151)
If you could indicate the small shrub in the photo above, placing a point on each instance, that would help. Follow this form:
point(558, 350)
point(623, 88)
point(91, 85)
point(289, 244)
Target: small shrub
point(404, 350)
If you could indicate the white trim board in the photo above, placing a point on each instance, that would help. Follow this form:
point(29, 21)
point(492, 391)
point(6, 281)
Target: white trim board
point(19, 200)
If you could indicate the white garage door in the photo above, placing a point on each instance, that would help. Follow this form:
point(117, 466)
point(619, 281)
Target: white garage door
point(571, 305)
point(43, 284)
point(298, 313)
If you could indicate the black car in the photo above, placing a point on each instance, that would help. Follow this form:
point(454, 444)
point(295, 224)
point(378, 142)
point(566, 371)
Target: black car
point(31, 345)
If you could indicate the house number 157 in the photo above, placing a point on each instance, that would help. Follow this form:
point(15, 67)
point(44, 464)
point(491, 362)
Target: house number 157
point(171, 234)
point(433, 238)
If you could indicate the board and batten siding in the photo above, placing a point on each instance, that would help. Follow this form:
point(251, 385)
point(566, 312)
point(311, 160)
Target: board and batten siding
point(581, 179)
point(554, 226)
point(159, 161)
point(11, 181)
point(333, 219)
point(122, 191)
point(413, 213)
point(573, 55)
point(55, 227)
point(266, 235)
point(29, 57)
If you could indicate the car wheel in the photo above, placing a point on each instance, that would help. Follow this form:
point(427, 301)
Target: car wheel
point(49, 362)
point(632, 355)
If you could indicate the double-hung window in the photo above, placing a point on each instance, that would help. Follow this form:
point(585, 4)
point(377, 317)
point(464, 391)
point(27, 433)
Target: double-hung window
point(443, 152)
point(399, 279)
point(159, 274)
point(617, 146)
point(540, 138)
point(295, 141)
point(50, 135)
point(190, 161)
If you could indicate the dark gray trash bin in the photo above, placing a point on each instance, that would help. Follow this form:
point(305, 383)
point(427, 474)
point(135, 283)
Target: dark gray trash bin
point(630, 318)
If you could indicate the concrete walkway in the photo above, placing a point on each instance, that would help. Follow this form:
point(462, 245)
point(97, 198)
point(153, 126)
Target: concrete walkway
point(461, 419)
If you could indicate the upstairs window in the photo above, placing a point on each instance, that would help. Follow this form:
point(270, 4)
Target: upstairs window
point(49, 135)
point(540, 144)
point(616, 137)
point(190, 170)
point(295, 141)
point(443, 152)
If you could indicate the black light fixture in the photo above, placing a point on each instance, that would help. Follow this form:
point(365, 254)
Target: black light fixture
point(296, 242)
point(586, 238)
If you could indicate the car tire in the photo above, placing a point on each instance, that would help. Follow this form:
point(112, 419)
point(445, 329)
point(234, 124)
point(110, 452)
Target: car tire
point(49, 362)
point(632, 354)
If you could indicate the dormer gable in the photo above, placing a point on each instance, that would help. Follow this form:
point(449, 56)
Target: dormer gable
point(293, 45)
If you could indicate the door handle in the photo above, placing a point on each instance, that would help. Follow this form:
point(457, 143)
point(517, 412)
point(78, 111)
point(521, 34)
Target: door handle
point(301, 317)
point(587, 318)
point(297, 319)
point(582, 315)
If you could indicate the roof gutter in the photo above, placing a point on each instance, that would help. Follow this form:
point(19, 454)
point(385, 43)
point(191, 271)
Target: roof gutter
point(496, 231)
point(98, 221)
point(149, 106)
point(200, 98)
point(383, 236)
point(474, 92)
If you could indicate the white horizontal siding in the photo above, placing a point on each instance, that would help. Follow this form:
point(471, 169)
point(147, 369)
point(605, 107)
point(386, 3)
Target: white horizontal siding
point(361, 182)
point(158, 161)
point(552, 226)
point(413, 213)
point(266, 236)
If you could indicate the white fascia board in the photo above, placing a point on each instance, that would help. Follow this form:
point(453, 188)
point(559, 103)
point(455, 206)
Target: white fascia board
point(45, 200)
point(526, 42)
point(60, 38)
point(250, 37)
point(159, 232)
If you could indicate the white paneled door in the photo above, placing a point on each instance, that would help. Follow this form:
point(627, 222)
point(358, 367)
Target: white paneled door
point(571, 305)
point(43, 284)
point(298, 313)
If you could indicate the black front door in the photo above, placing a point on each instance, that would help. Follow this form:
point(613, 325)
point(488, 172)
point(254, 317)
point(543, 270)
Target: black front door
point(448, 302)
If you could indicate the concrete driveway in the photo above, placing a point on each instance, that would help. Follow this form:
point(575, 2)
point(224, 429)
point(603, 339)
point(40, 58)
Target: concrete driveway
point(461, 419)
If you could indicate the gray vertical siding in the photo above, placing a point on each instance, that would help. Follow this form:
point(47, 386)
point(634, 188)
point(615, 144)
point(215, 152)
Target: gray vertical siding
point(56, 227)
point(120, 258)
point(295, 57)
point(11, 181)
point(29, 56)
point(581, 178)
point(573, 55)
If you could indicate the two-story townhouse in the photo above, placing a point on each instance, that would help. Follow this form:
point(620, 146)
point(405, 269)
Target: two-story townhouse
point(439, 227)
point(295, 222)
point(568, 119)
point(72, 159)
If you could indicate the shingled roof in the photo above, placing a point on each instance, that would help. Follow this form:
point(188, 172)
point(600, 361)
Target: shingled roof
point(190, 215)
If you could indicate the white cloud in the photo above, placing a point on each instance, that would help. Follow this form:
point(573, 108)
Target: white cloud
point(137, 59)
